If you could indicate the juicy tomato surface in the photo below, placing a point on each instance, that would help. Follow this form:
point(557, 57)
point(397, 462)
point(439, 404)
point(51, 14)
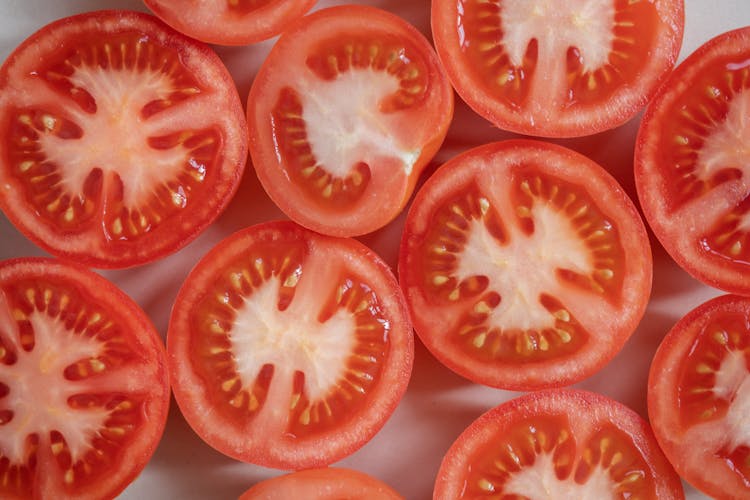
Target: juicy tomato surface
point(699, 397)
point(557, 444)
point(83, 383)
point(322, 484)
point(557, 68)
point(121, 139)
point(692, 163)
point(287, 348)
point(525, 265)
point(229, 22)
point(344, 114)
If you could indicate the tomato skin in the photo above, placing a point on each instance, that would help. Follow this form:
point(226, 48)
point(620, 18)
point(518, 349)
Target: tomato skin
point(239, 436)
point(89, 245)
point(586, 412)
point(658, 173)
point(419, 127)
point(213, 22)
point(144, 340)
point(322, 484)
point(483, 166)
point(695, 449)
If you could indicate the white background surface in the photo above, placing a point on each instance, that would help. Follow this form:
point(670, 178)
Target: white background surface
point(438, 405)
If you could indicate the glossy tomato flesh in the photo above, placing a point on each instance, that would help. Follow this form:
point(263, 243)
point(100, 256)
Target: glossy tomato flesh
point(83, 383)
point(345, 113)
point(699, 396)
point(121, 138)
point(525, 265)
point(557, 444)
point(289, 349)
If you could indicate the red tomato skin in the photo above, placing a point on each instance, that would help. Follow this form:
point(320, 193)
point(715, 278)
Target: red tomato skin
point(708, 473)
point(188, 226)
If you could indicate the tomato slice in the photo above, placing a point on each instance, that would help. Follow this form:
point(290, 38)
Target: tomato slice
point(289, 349)
point(692, 164)
point(557, 68)
point(345, 113)
point(120, 139)
point(84, 391)
point(525, 265)
point(229, 22)
point(322, 484)
point(557, 444)
point(699, 396)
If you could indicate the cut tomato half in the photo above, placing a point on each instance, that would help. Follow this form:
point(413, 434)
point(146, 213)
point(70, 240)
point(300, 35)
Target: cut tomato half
point(557, 68)
point(289, 349)
point(557, 444)
point(229, 22)
point(120, 139)
point(345, 113)
point(692, 163)
point(699, 397)
point(84, 391)
point(322, 484)
point(525, 265)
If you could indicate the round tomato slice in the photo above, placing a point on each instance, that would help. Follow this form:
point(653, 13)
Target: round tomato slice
point(557, 68)
point(120, 139)
point(557, 444)
point(287, 348)
point(345, 113)
point(699, 397)
point(692, 163)
point(525, 265)
point(84, 391)
point(229, 22)
point(322, 484)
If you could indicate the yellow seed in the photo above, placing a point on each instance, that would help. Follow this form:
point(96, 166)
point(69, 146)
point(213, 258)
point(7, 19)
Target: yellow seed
point(69, 214)
point(605, 273)
point(439, 280)
point(25, 165)
point(482, 307)
point(253, 403)
point(703, 369)
point(721, 337)
point(49, 122)
point(543, 343)
point(484, 205)
point(117, 226)
point(227, 385)
point(454, 295)
point(564, 336)
point(681, 140)
point(562, 315)
point(97, 365)
point(485, 485)
point(57, 448)
point(616, 458)
point(736, 248)
point(327, 191)
point(291, 280)
point(523, 211)
point(479, 340)
point(295, 400)
point(304, 417)
point(69, 476)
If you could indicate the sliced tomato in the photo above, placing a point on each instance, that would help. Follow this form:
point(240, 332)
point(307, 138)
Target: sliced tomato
point(345, 113)
point(322, 484)
point(557, 68)
point(229, 22)
point(692, 163)
point(525, 265)
point(120, 139)
point(557, 444)
point(699, 397)
point(84, 391)
point(287, 348)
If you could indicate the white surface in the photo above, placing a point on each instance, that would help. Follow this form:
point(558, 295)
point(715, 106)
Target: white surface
point(438, 405)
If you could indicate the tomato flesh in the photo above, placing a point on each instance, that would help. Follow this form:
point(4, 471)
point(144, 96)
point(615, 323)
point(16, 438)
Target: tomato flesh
point(291, 344)
point(83, 386)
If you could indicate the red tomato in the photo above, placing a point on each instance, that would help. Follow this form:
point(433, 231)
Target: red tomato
point(525, 265)
point(557, 68)
point(83, 383)
point(345, 113)
point(322, 484)
point(692, 163)
point(287, 348)
point(120, 139)
point(698, 397)
point(557, 444)
point(229, 22)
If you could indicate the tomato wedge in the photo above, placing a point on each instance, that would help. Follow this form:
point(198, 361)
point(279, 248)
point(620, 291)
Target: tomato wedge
point(120, 139)
point(229, 22)
point(557, 444)
point(322, 484)
point(557, 68)
point(345, 113)
point(699, 394)
point(84, 391)
point(287, 348)
point(525, 265)
point(692, 164)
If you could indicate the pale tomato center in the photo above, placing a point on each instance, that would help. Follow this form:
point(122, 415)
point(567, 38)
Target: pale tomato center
point(733, 384)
